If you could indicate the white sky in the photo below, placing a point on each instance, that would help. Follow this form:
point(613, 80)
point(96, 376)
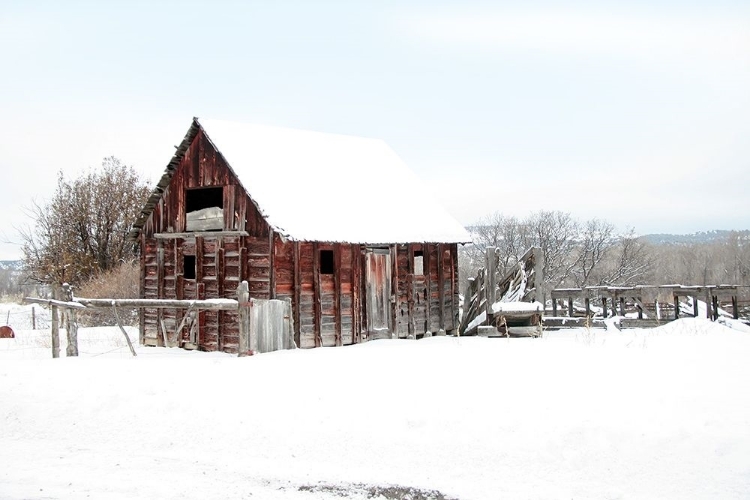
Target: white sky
point(635, 112)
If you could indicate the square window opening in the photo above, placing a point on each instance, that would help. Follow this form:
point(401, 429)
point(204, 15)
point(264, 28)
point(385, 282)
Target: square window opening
point(188, 269)
point(326, 262)
point(200, 198)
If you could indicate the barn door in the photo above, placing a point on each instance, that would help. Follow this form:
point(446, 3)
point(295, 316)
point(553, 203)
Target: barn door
point(378, 289)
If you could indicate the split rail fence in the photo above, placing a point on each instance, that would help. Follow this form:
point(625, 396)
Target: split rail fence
point(651, 303)
point(264, 325)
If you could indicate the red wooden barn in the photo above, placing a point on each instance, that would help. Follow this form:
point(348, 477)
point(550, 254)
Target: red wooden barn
point(338, 224)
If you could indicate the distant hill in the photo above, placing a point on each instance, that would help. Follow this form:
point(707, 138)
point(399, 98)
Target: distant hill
point(14, 265)
point(699, 237)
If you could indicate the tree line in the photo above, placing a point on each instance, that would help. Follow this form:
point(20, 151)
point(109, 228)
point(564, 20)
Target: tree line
point(592, 253)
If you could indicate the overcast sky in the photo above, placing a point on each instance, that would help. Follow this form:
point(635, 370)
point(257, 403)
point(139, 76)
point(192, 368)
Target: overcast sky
point(633, 112)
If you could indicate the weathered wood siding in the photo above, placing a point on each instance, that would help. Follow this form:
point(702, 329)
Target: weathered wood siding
point(325, 305)
point(427, 302)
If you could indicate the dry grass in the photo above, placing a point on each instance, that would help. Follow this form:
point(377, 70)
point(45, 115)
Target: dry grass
point(119, 283)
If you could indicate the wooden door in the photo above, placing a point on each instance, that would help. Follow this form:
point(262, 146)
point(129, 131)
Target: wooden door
point(378, 291)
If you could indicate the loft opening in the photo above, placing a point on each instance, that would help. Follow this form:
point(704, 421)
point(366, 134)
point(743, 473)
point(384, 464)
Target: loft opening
point(326, 262)
point(206, 197)
point(204, 209)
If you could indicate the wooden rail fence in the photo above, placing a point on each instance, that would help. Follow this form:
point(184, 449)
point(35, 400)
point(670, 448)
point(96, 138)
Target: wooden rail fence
point(264, 325)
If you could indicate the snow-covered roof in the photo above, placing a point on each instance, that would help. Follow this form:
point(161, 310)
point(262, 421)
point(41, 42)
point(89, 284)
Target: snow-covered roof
point(314, 186)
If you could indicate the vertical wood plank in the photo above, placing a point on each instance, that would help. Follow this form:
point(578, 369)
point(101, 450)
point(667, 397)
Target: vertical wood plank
point(242, 271)
point(272, 269)
point(426, 262)
point(317, 313)
point(441, 288)
point(198, 259)
point(337, 290)
point(356, 265)
point(410, 291)
point(160, 282)
point(243, 297)
point(297, 292)
point(219, 263)
point(142, 290)
point(394, 292)
point(454, 285)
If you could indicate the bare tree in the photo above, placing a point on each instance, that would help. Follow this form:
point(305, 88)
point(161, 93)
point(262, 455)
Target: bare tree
point(555, 233)
point(631, 262)
point(596, 241)
point(83, 229)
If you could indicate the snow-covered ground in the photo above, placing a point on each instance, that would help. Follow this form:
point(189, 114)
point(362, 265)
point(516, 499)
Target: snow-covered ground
point(662, 413)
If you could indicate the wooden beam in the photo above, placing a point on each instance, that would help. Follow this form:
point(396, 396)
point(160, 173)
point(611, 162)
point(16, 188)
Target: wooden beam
point(210, 304)
point(127, 338)
point(202, 234)
point(54, 302)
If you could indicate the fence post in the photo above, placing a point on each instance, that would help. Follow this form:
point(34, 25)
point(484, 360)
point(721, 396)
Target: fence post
point(490, 285)
point(243, 299)
point(72, 323)
point(33, 317)
point(55, 325)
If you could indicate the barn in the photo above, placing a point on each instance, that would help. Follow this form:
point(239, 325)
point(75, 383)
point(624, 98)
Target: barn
point(339, 225)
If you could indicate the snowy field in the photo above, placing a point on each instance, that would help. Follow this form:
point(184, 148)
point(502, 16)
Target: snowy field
point(662, 413)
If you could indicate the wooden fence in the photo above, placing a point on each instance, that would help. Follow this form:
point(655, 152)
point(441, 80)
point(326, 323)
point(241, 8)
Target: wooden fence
point(651, 303)
point(264, 325)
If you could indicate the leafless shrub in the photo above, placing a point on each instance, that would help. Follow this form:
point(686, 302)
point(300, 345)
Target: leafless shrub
point(121, 282)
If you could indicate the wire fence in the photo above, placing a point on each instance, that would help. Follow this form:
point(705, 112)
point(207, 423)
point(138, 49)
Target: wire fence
point(25, 317)
point(31, 325)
